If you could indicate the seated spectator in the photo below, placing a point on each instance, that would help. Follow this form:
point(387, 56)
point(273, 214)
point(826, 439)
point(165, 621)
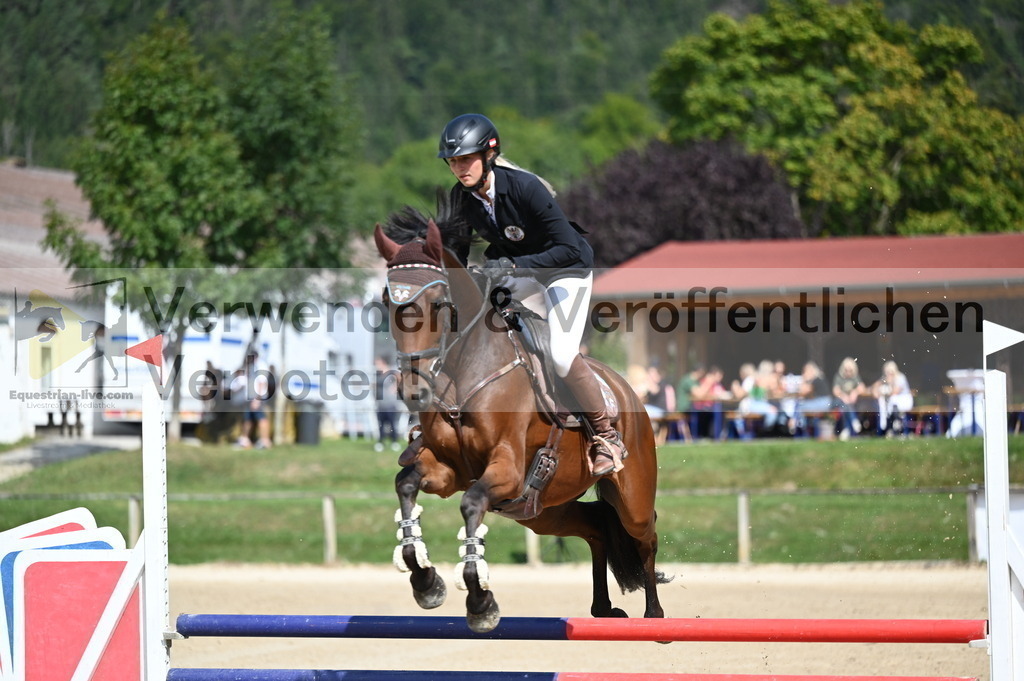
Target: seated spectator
point(752, 390)
point(787, 394)
point(709, 392)
point(815, 396)
point(895, 399)
point(659, 399)
point(847, 389)
point(686, 392)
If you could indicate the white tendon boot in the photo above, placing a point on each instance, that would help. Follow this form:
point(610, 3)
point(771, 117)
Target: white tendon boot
point(472, 551)
point(409, 532)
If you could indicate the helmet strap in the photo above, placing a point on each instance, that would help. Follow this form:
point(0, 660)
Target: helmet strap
point(489, 164)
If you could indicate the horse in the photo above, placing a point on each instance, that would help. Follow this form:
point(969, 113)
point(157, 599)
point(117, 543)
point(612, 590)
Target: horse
point(481, 434)
point(38, 321)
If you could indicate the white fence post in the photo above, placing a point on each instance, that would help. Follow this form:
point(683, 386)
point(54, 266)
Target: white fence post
point(330, 530)
point(1005, 551)
point(156, 596)
point(743, 527)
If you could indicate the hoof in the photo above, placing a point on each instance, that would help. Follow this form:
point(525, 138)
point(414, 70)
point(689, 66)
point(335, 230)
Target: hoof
point(485, 621)
point(432, 597)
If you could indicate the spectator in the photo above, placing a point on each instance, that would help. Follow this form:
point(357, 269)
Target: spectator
point(386, 396)
point(254, 385)
point(752, 390)
point(209, 387)
point(815, 396)
point(686, 392)
point(895, 399)
point(847, 389)
point(708, 395)
point(659, 400)
point(788, 394)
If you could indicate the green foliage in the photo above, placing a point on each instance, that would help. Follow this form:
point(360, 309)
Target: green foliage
point(616, 124)
point(293, 118)
point(161, 170)
point(871, 121)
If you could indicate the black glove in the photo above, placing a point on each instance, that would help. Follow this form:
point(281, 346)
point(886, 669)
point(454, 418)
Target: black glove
point(498, 267)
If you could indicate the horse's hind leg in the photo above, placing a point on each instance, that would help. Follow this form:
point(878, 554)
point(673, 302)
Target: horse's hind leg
point(583, 520)
point(411, 553)
point(630, 523)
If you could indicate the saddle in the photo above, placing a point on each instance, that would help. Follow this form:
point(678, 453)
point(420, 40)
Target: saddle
point(553, 398)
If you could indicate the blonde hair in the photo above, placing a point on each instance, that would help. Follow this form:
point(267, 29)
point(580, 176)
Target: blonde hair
point(505, 163)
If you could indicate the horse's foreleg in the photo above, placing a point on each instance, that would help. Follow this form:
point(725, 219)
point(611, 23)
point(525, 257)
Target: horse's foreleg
point(471, 574)
point(411, 553)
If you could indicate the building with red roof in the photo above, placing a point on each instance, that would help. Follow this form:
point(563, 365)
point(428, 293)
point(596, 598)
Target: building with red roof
point(916, 300)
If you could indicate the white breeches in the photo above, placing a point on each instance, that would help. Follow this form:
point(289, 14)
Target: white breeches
point(565, 303)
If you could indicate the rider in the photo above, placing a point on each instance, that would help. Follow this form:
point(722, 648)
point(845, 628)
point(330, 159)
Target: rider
point(527, 232)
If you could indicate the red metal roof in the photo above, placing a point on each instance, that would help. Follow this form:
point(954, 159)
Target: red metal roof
point(809, 264)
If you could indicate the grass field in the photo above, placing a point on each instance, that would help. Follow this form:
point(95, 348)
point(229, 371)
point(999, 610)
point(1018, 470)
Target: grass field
point(697, 509)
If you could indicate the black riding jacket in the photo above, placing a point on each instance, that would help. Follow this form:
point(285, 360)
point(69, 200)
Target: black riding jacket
point(531, 228)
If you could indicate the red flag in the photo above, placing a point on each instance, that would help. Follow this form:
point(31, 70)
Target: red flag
point(151, 351)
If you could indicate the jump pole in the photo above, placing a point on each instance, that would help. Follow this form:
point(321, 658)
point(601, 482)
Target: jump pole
point(590, 629)
point(378, 675)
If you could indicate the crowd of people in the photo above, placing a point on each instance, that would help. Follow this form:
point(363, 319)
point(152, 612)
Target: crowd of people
point(766, 399)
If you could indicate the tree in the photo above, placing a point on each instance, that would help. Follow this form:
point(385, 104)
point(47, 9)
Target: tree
point(293, 117)
point(871, 121)
point(163, 174)
point(191, 184)
point(617, 123)
point(705, 191)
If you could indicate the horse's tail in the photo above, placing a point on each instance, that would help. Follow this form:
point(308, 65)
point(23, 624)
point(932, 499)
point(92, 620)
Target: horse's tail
point(623, 556)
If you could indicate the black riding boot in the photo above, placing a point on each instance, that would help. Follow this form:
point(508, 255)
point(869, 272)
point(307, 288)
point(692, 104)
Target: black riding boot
point(607, 450)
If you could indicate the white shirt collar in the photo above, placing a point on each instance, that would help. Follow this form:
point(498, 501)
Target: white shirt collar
point(489, 201)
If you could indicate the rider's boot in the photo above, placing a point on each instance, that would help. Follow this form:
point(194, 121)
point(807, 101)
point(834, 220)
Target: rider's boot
point(606, 450)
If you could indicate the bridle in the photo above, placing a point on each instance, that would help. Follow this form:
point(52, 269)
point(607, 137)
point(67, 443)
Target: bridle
point(408, 361)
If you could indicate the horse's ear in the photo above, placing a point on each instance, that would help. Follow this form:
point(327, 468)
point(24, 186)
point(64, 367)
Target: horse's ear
point(434, 248)
point(386, 246)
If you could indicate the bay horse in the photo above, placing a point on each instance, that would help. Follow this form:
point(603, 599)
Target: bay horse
point(482, 434)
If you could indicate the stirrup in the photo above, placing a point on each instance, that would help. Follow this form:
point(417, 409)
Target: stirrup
point(608, 454)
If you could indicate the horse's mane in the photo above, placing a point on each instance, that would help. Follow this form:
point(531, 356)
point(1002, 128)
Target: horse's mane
point(408, 224)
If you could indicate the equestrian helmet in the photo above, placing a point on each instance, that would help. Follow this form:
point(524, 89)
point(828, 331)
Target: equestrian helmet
point(468, 134)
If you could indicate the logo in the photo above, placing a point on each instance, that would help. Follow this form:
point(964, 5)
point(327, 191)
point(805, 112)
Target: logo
point(51, 332)
point(514, 233)
point(400, 292)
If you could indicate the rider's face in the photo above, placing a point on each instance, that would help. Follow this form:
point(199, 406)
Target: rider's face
point(468, 169)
